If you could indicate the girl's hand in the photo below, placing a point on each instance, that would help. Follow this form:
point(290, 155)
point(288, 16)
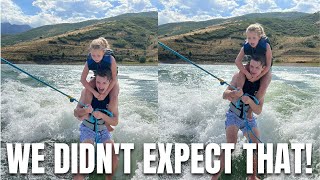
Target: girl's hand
point(102, 96)
point(249, 76)
point(254, 79)
point(96, 94)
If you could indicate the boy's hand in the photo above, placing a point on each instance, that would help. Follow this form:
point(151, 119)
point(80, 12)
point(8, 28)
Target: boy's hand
point(97, 114)
point(89, 108)
point(238, 93)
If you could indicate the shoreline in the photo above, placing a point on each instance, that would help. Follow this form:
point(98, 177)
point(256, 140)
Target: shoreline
point(308, 64)
point(294, 64)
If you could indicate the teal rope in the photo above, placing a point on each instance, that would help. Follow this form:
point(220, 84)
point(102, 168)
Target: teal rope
point(245, 117)
point(71, 98)
point(222, 82)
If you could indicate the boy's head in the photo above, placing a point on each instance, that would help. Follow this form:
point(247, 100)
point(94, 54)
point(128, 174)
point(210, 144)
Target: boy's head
point(256, 65)
point(254, 32)
point(103, 78)
point(97, 48)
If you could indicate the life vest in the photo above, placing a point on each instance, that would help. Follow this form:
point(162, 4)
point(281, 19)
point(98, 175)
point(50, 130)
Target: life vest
point(100, 106)
point(103, 64)
point(260, 49)
point(249, 88)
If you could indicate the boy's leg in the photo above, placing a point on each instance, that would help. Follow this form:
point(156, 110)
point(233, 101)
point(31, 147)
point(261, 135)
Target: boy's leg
point(255, 156)
point(81, 176)
point(232, 136)
point(115, 161)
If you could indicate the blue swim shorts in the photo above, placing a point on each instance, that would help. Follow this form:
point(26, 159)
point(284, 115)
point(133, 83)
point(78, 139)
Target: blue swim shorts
point(233, 119)
point(88, 134)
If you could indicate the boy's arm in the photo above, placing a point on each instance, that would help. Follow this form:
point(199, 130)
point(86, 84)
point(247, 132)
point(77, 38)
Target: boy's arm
point(239, 64)
point(112, 107)
point(257, 109)
point(84, 81)
point(231, 94)
point(81, 111)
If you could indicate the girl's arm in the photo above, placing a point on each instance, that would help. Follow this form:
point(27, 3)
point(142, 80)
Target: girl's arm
point(268, 62)
point(114, 76)
point(239, 64)
point(84, 81)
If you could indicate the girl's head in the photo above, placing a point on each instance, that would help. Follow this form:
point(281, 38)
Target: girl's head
point(97, 48)
point(254, 33)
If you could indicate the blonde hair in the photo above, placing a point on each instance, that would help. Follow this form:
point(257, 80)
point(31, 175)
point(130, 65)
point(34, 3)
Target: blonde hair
point(100, 43)
point(256, 28)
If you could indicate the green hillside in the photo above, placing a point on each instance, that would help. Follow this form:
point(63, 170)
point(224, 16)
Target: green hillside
point(185, 27)
point(295, 40)
point(58, 29)
point(133, 38)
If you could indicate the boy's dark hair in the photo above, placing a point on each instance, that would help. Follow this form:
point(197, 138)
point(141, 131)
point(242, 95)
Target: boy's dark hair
point(106, 72)
point(261, 59)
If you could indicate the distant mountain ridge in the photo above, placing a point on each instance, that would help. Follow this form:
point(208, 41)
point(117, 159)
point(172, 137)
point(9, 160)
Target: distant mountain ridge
point(7, 28)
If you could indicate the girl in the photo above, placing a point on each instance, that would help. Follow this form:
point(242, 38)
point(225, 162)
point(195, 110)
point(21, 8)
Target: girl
point(100, 57)
point(257, 44)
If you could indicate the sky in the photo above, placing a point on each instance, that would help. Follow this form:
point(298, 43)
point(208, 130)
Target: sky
point(45, 12)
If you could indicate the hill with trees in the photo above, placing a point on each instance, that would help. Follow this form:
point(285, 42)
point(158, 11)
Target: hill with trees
point(133, 38)
point(292, 39)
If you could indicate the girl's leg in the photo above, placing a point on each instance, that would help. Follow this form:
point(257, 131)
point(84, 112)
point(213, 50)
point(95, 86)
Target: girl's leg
point(114, 93)
point(264, 83)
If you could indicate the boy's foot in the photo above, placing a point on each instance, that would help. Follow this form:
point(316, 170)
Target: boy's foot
point(253, 178)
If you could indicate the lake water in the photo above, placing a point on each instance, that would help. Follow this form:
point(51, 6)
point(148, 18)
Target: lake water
point(165, 103)
point(191, 110)
point(32, 112)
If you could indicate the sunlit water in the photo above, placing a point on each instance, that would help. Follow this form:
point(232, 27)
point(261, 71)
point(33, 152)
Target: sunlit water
point(34, 113)
point(191, 110)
